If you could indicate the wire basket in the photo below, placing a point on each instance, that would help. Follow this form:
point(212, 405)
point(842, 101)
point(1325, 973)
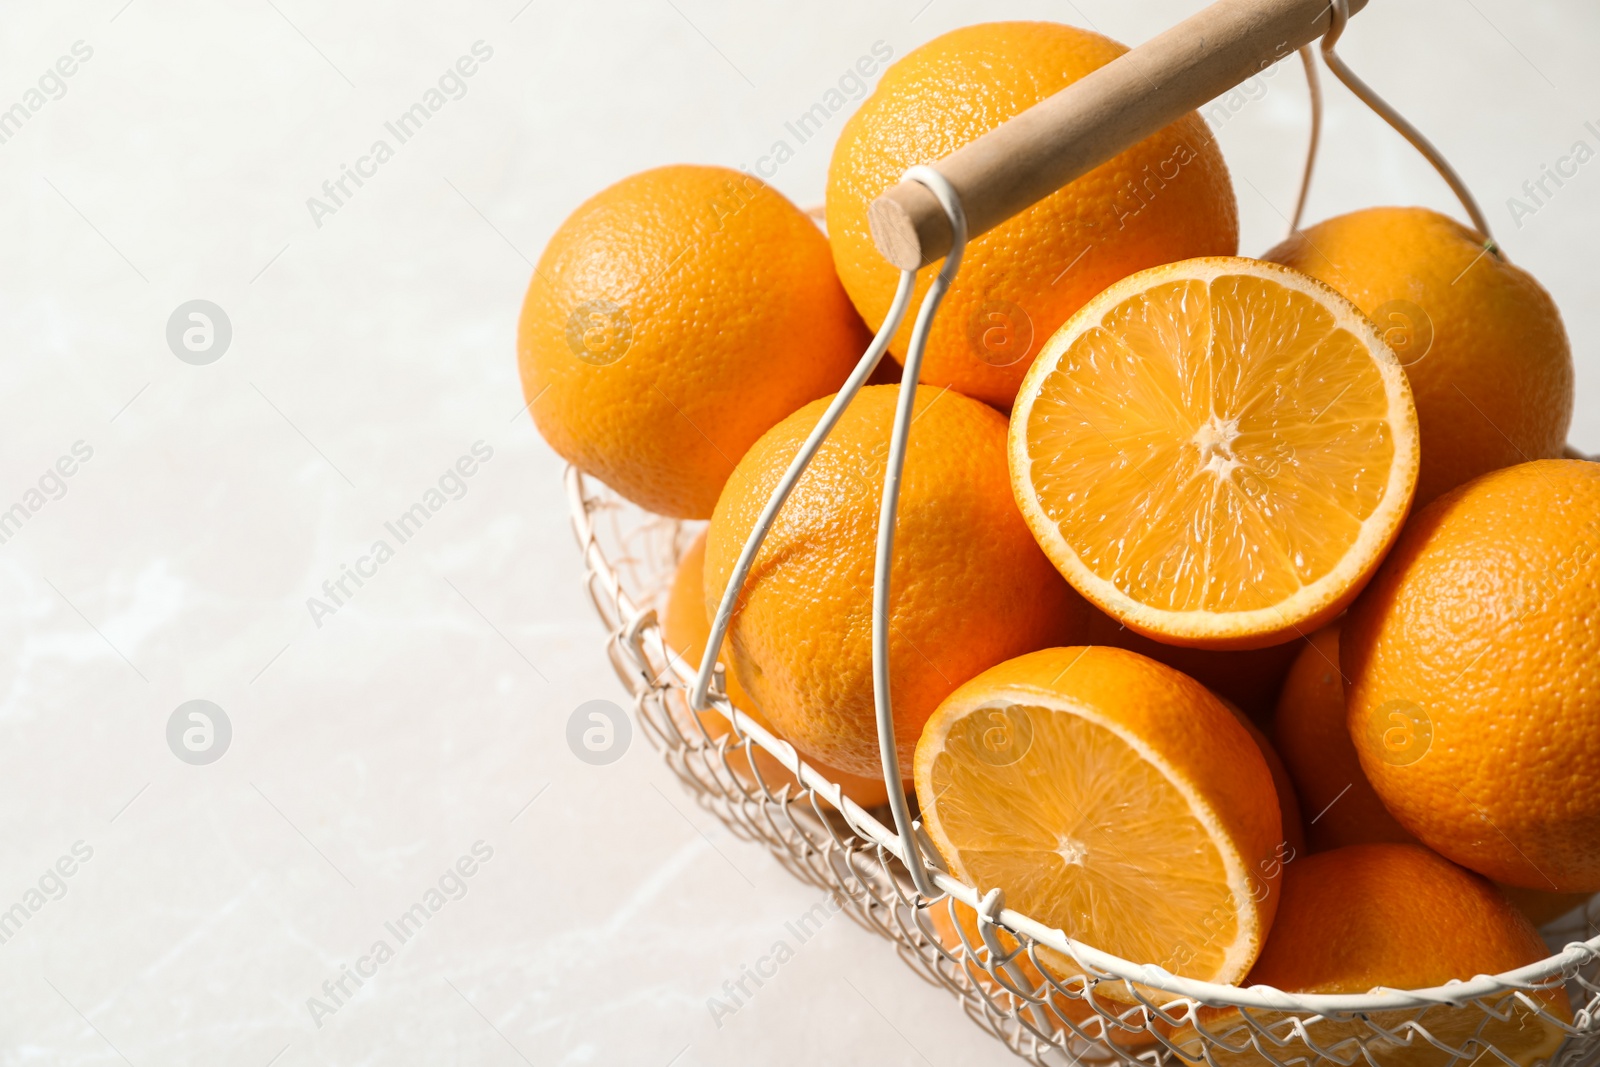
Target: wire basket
point(1003, 966)
point(1116, 1012)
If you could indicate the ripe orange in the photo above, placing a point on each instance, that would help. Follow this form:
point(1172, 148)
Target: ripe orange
point(970, 586)
point(1113, 798)
point(1481, 340)
point(1167, 198)
point(1316, 747)
point(1400, 917)
point(1340, 803)
point(686, 629)
point(1217, 453)
point(1473, 676)
point(673, 319)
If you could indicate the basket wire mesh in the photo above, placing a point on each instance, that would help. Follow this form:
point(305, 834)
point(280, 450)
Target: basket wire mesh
point(1003, 967)
point(967, 942)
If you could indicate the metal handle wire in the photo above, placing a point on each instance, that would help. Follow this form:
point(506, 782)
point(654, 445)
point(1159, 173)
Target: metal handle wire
point(1308, 59)
point(882, 566)
point(888, 510)
point(1340, 17)
point(698, 697)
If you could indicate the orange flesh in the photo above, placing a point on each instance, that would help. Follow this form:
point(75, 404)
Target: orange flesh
point(1212, 446)
point(1085, 834)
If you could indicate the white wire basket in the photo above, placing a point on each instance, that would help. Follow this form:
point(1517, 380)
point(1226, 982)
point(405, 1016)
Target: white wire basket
point(880, 867)
point(1118, 1011)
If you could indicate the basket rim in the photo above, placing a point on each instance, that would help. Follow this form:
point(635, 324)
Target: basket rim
point(642, 625)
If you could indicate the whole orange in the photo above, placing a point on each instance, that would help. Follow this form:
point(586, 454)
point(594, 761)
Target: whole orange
point(1406, 919)
point(1315, 744)
point(685, 627)
point(970, 587)
point(1482, 342)
point(1341, 805)
point(1472, 676)
point(673, 319)
point(1398, 917)
point(1167, 198)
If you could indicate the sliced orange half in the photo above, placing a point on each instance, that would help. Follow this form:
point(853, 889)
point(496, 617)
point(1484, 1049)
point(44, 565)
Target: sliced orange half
point(1112, 798)
point(1217, 452)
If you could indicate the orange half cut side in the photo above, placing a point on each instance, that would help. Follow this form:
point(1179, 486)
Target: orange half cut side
point(1216, 452)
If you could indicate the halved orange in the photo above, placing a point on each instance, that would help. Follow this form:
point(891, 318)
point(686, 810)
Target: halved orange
point(1217, 452)
point(1113, 798)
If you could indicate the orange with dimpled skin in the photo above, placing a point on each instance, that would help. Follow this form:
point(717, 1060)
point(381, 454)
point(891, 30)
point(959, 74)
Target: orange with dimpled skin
point(673, 319)
point(1315, 744)
point(686, 629)
point(1167, 198)
point(1397, 917)
point(970, 587)
point(1472, 668)
point(1481, 340)
point(1314, 739)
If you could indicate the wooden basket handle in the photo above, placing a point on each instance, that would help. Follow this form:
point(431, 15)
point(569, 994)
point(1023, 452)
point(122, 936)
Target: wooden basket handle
point(1101, 114)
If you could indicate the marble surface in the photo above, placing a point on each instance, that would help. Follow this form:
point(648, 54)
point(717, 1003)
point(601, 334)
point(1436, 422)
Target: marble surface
point(180, 913)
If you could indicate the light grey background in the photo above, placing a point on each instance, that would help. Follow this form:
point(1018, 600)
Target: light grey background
point(370, 753)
